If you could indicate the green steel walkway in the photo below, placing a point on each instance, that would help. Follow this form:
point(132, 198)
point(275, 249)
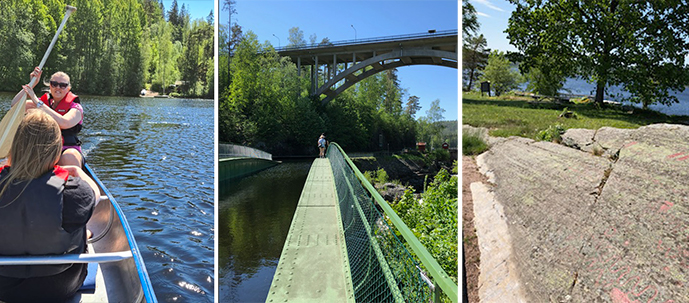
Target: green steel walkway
point(313, 266)
point(346, 244)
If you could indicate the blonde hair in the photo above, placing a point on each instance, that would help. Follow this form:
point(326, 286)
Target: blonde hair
point(61, 74)
point(35, 150)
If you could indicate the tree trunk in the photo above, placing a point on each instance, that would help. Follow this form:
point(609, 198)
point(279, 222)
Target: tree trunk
point(600, 89)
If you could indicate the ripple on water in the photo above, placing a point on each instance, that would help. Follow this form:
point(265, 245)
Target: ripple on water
point(159, 180)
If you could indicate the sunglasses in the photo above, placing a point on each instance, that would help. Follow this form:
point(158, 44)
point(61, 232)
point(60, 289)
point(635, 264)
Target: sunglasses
point(58, 84)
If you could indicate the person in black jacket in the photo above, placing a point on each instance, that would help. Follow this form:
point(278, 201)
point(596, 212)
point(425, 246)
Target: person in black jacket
point(43, 211)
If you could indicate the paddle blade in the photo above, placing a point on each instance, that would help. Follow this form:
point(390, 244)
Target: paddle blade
point(9, 125)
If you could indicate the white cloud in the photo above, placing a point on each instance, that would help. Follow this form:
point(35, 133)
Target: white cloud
point(489, 5)
point(483, 14)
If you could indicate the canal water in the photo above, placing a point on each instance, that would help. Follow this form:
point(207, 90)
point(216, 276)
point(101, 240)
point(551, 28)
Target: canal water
point(254, 217)
point(156, 158)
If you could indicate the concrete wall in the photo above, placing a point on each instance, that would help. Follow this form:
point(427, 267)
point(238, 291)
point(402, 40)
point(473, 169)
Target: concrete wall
point(234, 168)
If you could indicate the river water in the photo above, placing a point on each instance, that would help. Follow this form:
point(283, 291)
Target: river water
point(254, 217)
point(156, 158)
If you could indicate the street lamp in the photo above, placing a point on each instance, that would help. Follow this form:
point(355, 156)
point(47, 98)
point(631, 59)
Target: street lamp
point(352, 25)
point(278, 40)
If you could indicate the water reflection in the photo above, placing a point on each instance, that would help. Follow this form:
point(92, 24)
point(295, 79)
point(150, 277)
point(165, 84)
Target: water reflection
point(254, 218)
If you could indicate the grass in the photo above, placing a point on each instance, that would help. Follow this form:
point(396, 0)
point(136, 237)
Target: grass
point(510, 115)
point(472, 144)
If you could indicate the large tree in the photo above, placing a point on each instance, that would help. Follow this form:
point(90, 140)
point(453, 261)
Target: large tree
point(475, 53)
point(640, 45)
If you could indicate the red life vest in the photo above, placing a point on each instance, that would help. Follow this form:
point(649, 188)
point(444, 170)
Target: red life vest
point(64, 105)
point(32, 224)
point(69, 136)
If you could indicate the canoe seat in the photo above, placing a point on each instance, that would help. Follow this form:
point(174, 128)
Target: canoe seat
point(65, 259)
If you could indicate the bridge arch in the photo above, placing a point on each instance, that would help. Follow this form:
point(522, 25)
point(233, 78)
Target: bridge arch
point(394, 59)
point(365, 57)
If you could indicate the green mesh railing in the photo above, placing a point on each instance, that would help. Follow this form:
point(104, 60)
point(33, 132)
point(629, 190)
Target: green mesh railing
point(382, 268)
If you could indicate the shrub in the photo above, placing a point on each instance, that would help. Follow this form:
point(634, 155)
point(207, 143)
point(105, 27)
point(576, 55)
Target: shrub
point(551, 134)
point(472, 144)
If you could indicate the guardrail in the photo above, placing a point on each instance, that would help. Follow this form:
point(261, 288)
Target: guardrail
point(228, 150)
point(382, 268)
point(444, 33)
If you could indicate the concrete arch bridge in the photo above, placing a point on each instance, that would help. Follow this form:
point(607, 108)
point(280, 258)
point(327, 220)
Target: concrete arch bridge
point(347, 62)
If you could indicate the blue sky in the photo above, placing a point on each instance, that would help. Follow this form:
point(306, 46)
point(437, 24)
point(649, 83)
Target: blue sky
point(373, 18)
point(198, 9)
point(493, 16)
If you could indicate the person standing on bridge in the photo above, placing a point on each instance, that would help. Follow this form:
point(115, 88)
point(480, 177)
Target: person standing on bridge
point(65, 107)
point(321, 146)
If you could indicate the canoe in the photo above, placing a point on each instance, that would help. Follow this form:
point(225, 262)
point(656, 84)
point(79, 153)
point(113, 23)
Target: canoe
point(121, 275)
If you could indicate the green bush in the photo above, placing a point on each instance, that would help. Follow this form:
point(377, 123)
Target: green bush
point(439, 154)
point(379, 176)
point(382, 176)
point(472, 145)
point(434, 221)
point(551, 134)
point(370, 176)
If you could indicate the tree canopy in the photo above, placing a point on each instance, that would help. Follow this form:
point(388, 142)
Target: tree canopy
point(500, 74)
point(475, 53)
point(640, 45)
point(114, 47)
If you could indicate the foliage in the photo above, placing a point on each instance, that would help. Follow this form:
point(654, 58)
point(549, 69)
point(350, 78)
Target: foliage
point(512, 116)
point(551, 134)
point(499, 73)
point(412, 106)
point(439, 154)
point(544, 81)
point(473, 144)
point(566, 113)
point(377, 177)
point(264, 104)
point(470, 23)
point(433, 220)
point(475, 54)
point(296, 38)
point(114, 47)
point(640, 45)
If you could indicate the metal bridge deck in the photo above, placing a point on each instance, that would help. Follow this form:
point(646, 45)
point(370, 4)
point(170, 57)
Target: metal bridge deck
point(313, 266)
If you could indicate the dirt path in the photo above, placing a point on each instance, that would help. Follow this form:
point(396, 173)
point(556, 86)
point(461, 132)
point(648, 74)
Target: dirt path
point(472, 255)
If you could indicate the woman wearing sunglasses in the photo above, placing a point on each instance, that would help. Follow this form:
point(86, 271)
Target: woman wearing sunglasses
point(65, 107)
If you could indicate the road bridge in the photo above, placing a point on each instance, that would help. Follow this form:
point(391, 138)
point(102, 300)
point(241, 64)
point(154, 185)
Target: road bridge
point(345, 63)
point(346, 244)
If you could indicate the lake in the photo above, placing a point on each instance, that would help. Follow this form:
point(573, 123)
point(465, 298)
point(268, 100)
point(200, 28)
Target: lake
point(156, 158)
point(579, 86)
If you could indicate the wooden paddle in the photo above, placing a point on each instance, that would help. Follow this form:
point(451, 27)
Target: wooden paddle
point(9, 123)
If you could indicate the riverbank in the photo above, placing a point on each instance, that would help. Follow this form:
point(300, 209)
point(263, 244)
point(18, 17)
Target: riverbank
point(511, 115)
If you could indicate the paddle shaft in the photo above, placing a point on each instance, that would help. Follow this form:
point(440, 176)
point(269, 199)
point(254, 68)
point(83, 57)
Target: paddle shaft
point(70, 10)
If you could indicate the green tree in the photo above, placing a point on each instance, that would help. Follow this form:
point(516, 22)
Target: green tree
point(296, 38)
point(499, 73)
point(83, 46)
point(412, 106)
point(474, 58)
point(470, 23)
point(15, 44)
point(640, 45)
